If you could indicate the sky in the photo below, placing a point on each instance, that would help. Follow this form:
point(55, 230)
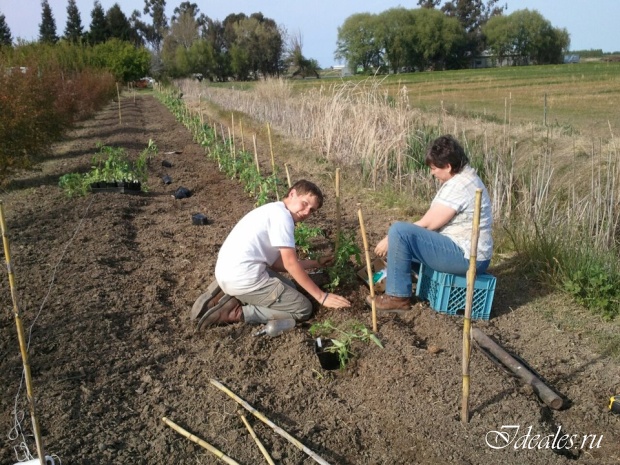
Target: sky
point(592, 24)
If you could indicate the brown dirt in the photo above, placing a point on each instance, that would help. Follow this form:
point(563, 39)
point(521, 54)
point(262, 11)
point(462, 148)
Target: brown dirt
point(105, 284)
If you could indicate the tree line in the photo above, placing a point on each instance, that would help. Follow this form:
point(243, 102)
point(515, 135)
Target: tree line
point(245, 47)
point(240, 47)
point(450, 37)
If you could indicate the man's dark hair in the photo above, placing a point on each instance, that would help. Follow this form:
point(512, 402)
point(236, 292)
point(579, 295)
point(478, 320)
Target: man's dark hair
point(446, 150)
point(303, 187)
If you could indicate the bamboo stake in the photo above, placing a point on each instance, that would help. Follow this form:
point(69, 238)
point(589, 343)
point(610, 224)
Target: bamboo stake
point(232, 141)
point(242, 140)
point(469, 297)
point(232, 149)
point(288, 175)
point(273, 161)
point(218, 453)
point(337, 241)
point(317, 458)
point(257, 441)
point(371, 283)
point(118, 94)
point(22, 340)
point(255, 153)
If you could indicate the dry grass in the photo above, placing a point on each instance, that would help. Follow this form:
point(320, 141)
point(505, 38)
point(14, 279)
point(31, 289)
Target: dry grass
point(540, 174)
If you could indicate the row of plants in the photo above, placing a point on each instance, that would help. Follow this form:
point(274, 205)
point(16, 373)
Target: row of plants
point(240, 164)
point(45, 89)
point(111, 167)
point(553, 193)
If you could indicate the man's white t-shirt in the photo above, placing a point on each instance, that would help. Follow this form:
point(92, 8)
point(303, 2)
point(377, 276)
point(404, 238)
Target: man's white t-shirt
point(252, 246)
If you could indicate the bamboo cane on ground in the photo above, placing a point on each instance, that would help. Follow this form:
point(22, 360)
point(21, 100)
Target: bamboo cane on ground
point(469, 297)
point(371, 283)
point(218, 453)
point(22, 340)
point(256, 440)
point(317, 458)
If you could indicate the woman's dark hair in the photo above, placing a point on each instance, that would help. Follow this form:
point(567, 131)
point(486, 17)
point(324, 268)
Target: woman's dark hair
point(446, 150)
point(303, 187)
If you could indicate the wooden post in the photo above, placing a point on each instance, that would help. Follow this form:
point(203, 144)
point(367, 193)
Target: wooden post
point(22, 341)
point(469, 297)
point(273, 161)
point(288, 175)
point(118, 95)
point(242, 140)
point(255, 154)
point(547, 395)
point(371, 282)
point(337, 241)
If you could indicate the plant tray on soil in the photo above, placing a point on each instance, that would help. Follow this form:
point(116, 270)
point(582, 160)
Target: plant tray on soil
point(120, 186)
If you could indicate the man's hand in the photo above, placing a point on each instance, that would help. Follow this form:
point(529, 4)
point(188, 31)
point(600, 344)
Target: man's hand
point(382, 247)
point(335, 301)
point(326, 261)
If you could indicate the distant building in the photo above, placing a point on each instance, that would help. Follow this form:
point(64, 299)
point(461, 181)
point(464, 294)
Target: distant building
point(571, 58)
point(344, 70)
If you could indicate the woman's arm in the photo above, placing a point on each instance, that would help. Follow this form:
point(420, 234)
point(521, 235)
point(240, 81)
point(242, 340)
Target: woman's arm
point(436, 217)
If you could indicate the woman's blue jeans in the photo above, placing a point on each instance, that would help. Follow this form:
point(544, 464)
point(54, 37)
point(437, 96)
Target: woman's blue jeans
point(409, 245)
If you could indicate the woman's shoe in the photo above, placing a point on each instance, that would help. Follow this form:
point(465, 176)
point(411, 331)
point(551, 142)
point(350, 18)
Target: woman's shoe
point(389, 303)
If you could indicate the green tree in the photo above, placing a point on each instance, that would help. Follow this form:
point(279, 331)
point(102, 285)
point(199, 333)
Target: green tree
point(99, 31)
point(47, 28)
point(181, 36)
point(5, 32)
point(73, 29)
point(155, 33)
point(473, 15)
point(429, 3)
point(394, 33)
point(357, 44)
point(528, 37)
point(297, 63)
point(119, 26)
point(437, 39)
point(126, 61)
point(214, 33)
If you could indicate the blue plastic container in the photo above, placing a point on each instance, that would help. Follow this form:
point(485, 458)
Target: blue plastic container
point(446, 293)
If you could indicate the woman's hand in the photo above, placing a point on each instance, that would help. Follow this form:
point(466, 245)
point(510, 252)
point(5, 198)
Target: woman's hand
point(382, 247)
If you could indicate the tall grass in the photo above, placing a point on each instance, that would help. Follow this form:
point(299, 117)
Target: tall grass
point(555, 193)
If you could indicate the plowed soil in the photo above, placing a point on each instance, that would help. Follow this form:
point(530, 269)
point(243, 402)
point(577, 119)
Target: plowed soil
point(104, 284)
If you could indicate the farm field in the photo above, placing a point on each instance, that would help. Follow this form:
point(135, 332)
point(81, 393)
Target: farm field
point(107, 281)
point(582, 98)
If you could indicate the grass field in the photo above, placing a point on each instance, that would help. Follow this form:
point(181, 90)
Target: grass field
point(582, 97)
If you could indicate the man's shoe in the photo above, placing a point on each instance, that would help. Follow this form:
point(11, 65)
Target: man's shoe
point(228, 310)
point(388, 303)
point(206, 301)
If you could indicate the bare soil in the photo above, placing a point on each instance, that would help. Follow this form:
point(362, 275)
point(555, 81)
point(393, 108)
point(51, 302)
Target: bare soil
point(104, 284)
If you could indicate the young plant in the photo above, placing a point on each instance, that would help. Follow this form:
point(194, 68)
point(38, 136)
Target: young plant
point(343, 338)
point(341, 272)
point(303, 234)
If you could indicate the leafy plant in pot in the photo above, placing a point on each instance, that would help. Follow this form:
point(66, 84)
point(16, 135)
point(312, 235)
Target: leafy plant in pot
point(337, 341)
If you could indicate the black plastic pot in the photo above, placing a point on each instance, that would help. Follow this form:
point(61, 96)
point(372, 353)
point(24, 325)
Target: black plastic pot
point(328, 360)
point(166, 164)
point(199, 219)
point(166, 179)
point(182, 193)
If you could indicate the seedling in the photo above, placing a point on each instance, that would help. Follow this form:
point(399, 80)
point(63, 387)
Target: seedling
point(342, 339)
point(341, 272)
point(303, 234)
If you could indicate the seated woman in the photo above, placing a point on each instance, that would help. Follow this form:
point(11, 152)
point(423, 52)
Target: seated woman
point(442, 238)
